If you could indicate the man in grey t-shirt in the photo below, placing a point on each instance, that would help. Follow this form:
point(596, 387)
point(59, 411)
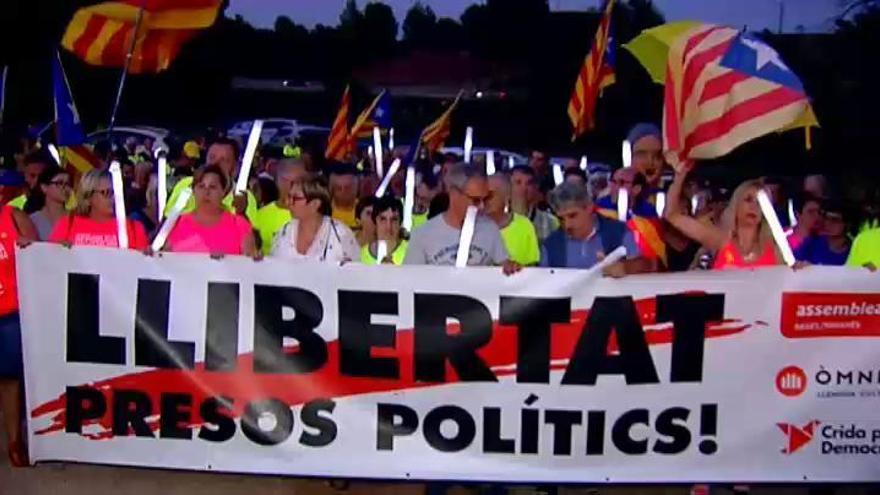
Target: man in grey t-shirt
point(436, 242)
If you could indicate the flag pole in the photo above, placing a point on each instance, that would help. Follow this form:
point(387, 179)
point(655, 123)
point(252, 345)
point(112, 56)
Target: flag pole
point(128, 57)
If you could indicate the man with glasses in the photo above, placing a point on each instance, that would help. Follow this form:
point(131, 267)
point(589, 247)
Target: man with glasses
point(275, 215)
point(517, 231)
point(436, 242)
point(635, 184)
point(832, 247)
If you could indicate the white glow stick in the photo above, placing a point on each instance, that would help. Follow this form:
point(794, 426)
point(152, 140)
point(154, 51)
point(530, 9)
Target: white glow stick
point(377, 149)
point(490, 162)
point(558, 175)
point(381, 251)
point(622, 204)
point(171, 219)
point(250, 152)
point(775, 227)
point(792, 218)
point(391, 139)
point(409, 199)
point(119, 204)
point(584, 163)
point(467, 237)
point(607, 261)
point(511, 162)
point(661, 203)
point(695, 203)
point(468, 144)
point(162, 186)
point(627, 154)
point(54, 152)
point(383, 186)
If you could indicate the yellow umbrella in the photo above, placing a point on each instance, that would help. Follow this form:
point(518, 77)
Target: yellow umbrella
point(651, 49)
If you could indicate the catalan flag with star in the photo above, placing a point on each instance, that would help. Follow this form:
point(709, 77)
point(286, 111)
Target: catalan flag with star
point(434, 136)
point(597, 73)
point(101, 34)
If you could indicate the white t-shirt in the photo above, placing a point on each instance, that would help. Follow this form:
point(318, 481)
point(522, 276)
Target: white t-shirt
point(436, 243)
point(334, 242)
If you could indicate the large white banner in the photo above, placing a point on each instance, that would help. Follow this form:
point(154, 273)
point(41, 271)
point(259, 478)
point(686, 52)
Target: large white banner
point(462, 374)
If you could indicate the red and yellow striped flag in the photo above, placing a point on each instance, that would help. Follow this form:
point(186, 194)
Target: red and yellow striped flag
point(338, 144)
point(596, 74)
point(101, 34)
point(434, 136)
point(79, 159)
point(363, 125)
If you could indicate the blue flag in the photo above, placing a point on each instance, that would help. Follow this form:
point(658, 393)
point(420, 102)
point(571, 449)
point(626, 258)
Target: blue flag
point(382, 113)
point(755, 58)
point(3, 91)
point(68, 130)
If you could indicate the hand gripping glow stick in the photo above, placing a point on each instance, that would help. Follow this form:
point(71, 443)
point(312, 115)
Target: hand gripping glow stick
point(467, 237)
point(377, 149)
point(171, 220)
point(661, 203)
point(162, 192)
point(381, 251)
point(511, 162)
point(558, 175)
point(119, 204)
point(54, 152)
point(490, 162)
point(468, 144)
point(775, 227)
point(391, 139)
point(409, 199)
point(383, 186)
point(250, 152)
point(622, 204)
point(607, 261)
point(627, 154)
point(584, 163)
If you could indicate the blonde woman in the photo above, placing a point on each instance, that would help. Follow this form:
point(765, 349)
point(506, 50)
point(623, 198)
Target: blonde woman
point(743, 238)
point(93, 222)
point(312, 234)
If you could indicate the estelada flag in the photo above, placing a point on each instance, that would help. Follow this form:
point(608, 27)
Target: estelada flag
point(434, 136)
point(597, 73)
point(338, 141)
point(101, 34)
point(379, 116)
point(648, 232)
point(725, 88)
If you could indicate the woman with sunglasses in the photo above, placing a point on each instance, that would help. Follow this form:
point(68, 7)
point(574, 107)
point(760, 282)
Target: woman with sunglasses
point(15, 228)
point(386, 215)
point(93, 222)
point(312, 234)
point(211, 228)
point(46, 203)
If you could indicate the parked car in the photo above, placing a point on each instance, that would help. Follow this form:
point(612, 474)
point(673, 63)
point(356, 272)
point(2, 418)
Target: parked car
point(277, 131)
point(138, 135)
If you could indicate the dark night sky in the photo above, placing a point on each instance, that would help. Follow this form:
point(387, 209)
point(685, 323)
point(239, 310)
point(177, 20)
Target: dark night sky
point(813, 15)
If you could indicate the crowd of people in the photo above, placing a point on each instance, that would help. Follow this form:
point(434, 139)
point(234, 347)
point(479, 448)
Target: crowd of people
point(527, 216)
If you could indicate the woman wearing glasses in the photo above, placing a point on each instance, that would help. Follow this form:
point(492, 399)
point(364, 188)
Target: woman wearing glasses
point(313, 234)
point(93, 222)
point(211, 228)
point(46, 203)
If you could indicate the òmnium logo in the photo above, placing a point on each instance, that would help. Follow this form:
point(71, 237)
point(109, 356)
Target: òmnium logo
point(834, 383)
point(797, 436)
point(836, 438)
point(791, 381)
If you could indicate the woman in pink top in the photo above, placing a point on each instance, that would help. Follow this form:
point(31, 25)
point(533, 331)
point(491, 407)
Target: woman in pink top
point(93, 223)
point(210, 228)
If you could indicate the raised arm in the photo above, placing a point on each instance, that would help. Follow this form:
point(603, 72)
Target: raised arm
point(709, 236)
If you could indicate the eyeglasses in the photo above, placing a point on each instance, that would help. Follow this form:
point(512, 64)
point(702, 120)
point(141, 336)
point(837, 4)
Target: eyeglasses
point(478, 200)
point(60, 183)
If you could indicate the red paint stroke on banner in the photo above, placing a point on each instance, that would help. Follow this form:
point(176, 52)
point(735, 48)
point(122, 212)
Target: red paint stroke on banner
point(244, 386)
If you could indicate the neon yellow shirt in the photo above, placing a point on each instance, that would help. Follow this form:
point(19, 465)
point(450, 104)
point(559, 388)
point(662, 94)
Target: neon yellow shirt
point(419, 220)
point(186, 183)
point(268, 221)
point(521, 241)
point(345, 216)
point(865, 249)
point(18, 202)
point(397, 256)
